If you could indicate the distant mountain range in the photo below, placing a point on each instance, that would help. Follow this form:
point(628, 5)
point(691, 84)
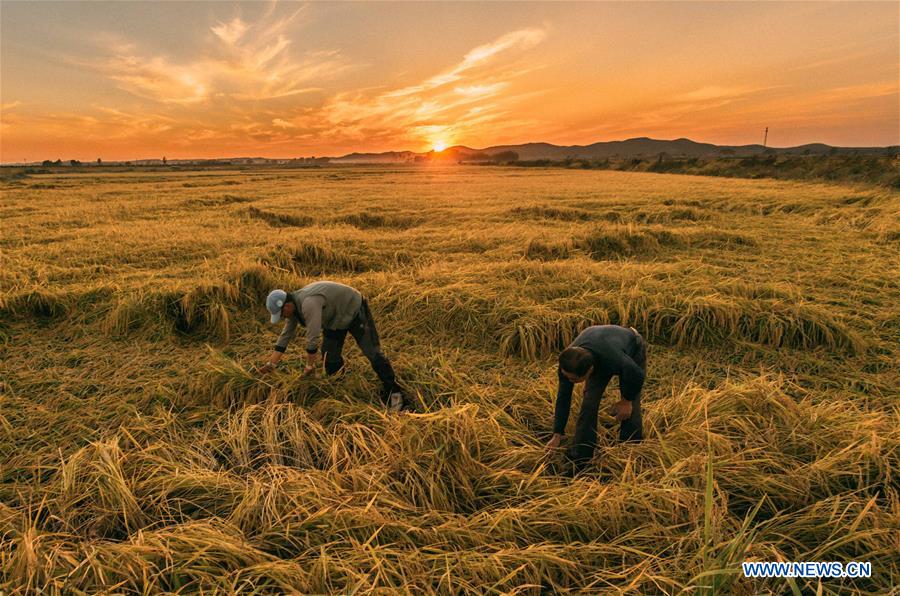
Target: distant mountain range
point(642, 147)
point(630, 148)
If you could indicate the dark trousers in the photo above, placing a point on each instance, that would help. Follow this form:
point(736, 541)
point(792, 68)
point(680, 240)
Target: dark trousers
point(362, 328)
point(585, 440)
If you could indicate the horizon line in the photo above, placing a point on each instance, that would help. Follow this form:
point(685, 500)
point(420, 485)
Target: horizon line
point(357, 151)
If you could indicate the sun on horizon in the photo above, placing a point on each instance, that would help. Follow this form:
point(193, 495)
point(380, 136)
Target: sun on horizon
point(439, 146)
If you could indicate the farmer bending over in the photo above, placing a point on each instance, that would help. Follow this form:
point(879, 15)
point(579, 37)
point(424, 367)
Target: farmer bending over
point(332, 309)
point(598, 354)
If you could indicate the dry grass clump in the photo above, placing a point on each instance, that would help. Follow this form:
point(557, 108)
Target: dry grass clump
point(52, 307)
point(612, 216)
point(606, 243)
point(682, 321)
point(201, 311)
point(136, 311)
point(225, 383)
point(218, 201)
point(542, 250)
point(280, 220)
point(457, 310)
point(713, 319)
point(275, 434)
point(204, 309)
point(682, 202)
point(711, 238)
point(253, 282)
point(366, 220)
point(757, 291)
point(94, 496)
point(670, 215)
point(788, 448)
point(307, 259)
point(38, 302)
point(548, 212)
point(690, 319)
point(206, 184)
point(889, 236)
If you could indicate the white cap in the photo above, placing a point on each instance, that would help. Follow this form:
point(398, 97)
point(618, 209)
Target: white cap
point(274, 301)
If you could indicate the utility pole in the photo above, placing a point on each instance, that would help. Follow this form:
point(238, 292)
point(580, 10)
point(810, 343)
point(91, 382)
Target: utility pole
point(765, 137)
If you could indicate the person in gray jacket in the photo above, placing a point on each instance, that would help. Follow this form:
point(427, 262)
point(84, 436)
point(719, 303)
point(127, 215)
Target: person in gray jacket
point(331, 309)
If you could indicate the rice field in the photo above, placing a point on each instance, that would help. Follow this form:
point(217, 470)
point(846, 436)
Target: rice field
point(141, 454)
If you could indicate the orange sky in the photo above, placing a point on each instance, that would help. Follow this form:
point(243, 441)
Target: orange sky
point(199, 79)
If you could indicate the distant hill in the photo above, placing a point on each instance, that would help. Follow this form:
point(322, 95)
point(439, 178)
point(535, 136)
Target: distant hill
point(637, 147)
point(643, 147)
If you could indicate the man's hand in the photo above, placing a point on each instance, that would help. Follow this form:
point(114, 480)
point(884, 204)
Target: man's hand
point(622, 410)
point(265, 368)
point(312, 361)
point(554, 442)
point(271, 363)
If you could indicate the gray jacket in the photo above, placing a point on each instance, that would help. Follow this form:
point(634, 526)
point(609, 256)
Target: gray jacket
point(320, 305)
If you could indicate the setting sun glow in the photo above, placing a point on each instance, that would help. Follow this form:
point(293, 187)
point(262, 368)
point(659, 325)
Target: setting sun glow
point(122, 81)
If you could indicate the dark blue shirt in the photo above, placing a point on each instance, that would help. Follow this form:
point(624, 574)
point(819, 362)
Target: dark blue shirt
point(611, 347)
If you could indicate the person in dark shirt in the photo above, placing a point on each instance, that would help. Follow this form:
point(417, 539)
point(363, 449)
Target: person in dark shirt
point(599, 353)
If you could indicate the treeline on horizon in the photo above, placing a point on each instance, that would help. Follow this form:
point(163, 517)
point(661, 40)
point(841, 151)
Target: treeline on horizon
point(880, 170)
point(867, 169)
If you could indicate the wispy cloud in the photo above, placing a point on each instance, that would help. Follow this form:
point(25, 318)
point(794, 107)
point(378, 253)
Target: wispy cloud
point(152, 77)
point(279, 123)
point(242, 61)
point(9, 118)
point(715, 92)
point(230, 32)
point(250, 61)
point(445, 106)
point(857, 51)
point(480, 90)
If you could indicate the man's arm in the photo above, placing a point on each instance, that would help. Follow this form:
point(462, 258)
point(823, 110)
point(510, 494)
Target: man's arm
point(312, 315)
point(631, 378)
point(287, 334)
point(563, 403)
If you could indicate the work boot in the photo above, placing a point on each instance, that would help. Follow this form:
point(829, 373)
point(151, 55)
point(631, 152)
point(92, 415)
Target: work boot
point(396, 402)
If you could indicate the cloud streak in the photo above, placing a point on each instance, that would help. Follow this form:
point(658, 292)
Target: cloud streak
point(242, 62)
point(251, 62)
point(445, 106)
